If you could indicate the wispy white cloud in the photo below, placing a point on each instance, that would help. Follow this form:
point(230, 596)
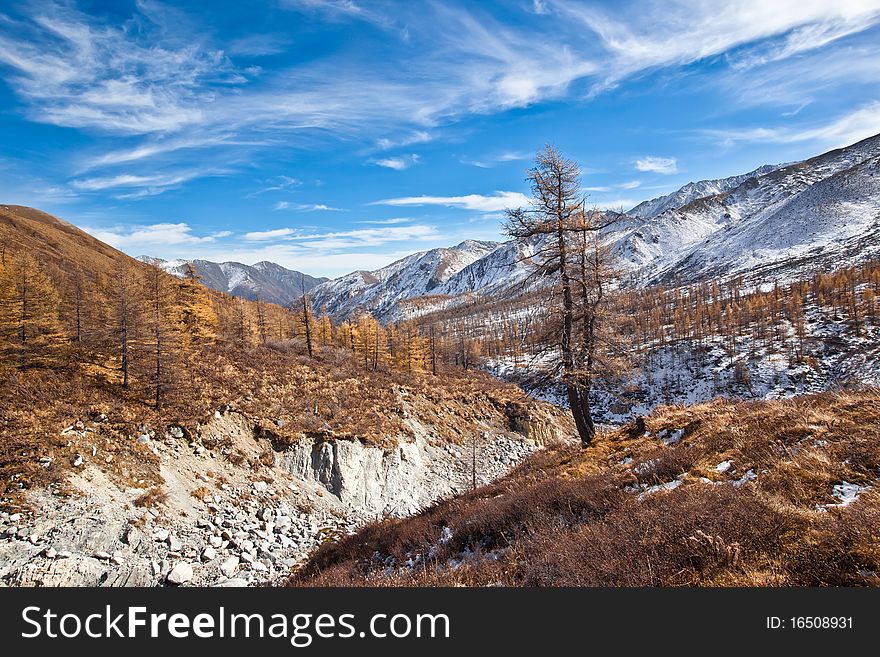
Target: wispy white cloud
point(844, 130)
point(345, 239)
point(657, 164)
point(490, 161)
point(398, 163)
point(511, 156)
point(655, 34)
point(368, 237)
point(134, 238)
point(391, 221)
point(491, 216)
point(305, 207)
point(335, 8)
point(278, 184)
point(417, 137)
point(258, 45)
point(79, 73)
point(265, 235)
point(153, 148)
point(143, 185)
point(478, 202)
point(539, 7)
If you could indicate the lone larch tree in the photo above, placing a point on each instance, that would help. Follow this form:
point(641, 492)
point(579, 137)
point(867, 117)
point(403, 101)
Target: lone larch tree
point(562, 238)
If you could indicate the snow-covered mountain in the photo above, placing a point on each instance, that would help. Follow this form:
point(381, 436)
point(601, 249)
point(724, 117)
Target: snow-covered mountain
point(420, 274)
point(820, 210)
point(694, 190)
point(264, 280)
point(773, 223)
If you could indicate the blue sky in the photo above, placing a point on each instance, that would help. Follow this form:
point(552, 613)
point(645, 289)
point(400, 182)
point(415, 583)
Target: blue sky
point(332, 135)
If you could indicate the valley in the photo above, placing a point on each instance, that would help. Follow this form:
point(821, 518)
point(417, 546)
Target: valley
point(220, 424)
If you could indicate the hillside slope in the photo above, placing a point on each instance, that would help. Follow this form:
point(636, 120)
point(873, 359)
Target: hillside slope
point(767, 221)
point(693, 191)
point(721, 494)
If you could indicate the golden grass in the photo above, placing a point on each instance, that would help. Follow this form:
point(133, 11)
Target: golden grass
point(569, 516)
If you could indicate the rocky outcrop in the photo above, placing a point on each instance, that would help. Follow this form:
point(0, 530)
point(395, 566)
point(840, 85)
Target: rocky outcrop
point(401, 480)
point(416, 471)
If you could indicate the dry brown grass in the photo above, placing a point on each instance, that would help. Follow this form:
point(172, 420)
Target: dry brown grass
point(568, 517)
point(152, 497)
point(201, 493)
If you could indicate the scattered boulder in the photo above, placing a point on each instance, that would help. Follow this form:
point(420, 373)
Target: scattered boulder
point(229, 566)
point(180, 574)
point(174, 544)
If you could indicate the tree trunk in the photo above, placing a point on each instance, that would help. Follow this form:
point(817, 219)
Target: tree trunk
point(305, 308)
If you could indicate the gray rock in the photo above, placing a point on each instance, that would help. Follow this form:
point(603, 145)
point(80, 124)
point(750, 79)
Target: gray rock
point(234, 583)
point(209, 554)
point(180, 574)
point(229, 566)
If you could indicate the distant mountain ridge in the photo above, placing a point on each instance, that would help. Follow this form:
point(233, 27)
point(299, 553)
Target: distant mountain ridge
point(420, 274)
point(773, 222)
point(265, 280)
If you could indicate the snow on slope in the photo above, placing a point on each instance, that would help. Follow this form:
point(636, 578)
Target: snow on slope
point(775, 221)
point(823, 210)
point(419, 274)
point(694, 190)
point(771, 215)
point(690, 373)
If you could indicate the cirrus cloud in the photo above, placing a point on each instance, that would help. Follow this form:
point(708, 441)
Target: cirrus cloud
point(477, 202)
point(656, 164)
